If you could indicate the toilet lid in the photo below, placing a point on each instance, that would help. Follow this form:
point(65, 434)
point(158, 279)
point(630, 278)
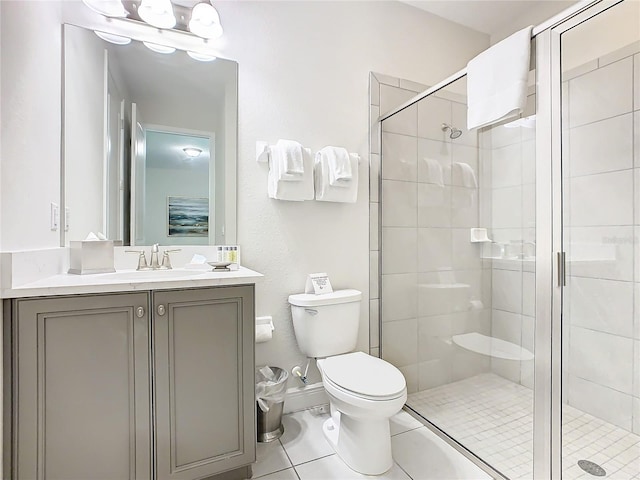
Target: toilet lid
point(364, 375)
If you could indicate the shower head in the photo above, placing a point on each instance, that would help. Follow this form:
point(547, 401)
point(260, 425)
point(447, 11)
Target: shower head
point(454, 132)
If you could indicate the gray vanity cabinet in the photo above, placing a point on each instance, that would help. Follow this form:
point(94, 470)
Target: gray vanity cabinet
point(204, 381)
point(81, 399)
point(151, 385)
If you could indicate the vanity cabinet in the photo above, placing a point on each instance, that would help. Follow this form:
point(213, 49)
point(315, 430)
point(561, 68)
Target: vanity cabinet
point(146, 385)
point(204, 381)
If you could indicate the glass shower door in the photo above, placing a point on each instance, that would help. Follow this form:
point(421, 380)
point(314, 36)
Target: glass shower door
point(600, 146)
point(458, 272)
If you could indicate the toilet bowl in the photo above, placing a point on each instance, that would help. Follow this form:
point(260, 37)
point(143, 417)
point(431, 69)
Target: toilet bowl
point(364, 391)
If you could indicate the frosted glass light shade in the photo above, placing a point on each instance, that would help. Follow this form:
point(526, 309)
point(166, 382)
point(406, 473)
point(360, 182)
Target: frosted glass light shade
point(205, 21)
point(111, 38)
point(158, 13)
point(108, 8)
point(159, 48)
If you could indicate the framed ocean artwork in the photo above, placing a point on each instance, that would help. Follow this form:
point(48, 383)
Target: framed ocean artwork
point(188, 216)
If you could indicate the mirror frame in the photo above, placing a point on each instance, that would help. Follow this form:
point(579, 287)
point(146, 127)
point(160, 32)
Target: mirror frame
point(180, 40)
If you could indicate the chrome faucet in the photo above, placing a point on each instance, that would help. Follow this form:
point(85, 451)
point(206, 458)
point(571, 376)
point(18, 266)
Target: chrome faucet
point(154, 264)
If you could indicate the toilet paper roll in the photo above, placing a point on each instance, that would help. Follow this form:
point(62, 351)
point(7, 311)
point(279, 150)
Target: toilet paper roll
point(264, 333)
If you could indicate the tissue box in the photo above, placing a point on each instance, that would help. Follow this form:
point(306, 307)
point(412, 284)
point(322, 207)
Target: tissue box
point(91, 256)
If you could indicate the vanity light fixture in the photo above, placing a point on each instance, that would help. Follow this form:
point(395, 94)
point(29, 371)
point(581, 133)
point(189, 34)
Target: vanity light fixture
point(201, 57)
point(202, 20)
point(159, 48)
point(205, 21)
point(158, 13)
point(192, 152)
point(111, 38)
point(108, 8)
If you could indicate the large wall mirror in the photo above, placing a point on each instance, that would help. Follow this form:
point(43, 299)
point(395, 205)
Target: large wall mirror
point(150, 143)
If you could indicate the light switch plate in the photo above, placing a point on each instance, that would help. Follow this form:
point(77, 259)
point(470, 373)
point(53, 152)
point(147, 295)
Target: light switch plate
point(55, 216)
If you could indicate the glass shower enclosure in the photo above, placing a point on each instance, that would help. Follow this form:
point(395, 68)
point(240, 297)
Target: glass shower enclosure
point(510, 259)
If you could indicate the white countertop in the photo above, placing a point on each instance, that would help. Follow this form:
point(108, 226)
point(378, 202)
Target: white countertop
point(130, 280)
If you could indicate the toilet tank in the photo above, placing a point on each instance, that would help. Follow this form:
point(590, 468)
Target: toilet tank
point(326, 324)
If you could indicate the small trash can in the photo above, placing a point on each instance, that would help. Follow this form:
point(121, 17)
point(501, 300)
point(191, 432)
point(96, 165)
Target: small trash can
point(271, 385)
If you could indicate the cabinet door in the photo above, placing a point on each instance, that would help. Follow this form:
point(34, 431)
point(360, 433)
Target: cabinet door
point(204, 381)
point(81, 396)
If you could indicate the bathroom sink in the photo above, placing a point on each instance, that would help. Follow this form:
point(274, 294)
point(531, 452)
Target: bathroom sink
point(154, 274)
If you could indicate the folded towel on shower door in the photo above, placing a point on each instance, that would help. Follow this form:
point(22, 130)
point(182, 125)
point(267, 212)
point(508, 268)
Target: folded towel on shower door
point(497, 80)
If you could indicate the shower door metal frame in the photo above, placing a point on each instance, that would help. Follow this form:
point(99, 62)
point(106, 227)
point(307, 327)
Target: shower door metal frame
point(550, 263)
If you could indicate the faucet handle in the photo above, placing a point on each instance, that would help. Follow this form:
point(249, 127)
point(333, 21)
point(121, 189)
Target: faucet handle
point(142, 259)
point(166, 260)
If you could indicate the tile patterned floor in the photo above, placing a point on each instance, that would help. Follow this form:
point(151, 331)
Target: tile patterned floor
point(302, 453)
point(493, 418)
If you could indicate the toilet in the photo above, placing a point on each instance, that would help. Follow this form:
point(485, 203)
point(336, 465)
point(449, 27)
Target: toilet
point(364, 391)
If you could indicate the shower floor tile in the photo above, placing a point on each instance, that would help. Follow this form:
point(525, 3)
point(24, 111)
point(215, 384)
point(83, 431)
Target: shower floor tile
point(493, 417)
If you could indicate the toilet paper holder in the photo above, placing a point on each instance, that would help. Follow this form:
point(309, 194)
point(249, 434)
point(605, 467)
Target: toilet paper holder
point(264, 328)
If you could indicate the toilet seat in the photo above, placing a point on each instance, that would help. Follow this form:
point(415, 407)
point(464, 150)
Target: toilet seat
point(364, 376)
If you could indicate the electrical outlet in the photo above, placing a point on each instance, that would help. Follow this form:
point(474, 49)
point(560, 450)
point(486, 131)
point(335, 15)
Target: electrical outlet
point(55, 216)
point(67, 215)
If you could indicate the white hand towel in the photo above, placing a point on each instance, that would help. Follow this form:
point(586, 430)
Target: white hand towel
point(497, 80)
point(325, 192)
point(433, 172)
point(281, 189)
point(289, 154)
point(463, 175)
point(339, 163)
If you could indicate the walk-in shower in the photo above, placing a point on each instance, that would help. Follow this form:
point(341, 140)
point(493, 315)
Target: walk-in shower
point(509, 258)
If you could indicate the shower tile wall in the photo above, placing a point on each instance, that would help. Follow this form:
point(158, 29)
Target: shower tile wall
point(430, 270)
point(395, 91)
point(507, 199)
point(602, 216)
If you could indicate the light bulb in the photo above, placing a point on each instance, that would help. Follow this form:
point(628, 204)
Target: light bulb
point(108, 8)
point(201, 57)
point(158, 13)
point(159, 48)
point(205, 21)
point(111, 38)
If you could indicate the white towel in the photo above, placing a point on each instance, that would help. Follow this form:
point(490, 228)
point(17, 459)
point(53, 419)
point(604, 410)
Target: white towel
point(463, 175)
point(289, 155)
point(325, 192)
point(433, 173)
point(497, 80)
point(281, 189)
point(339, 163)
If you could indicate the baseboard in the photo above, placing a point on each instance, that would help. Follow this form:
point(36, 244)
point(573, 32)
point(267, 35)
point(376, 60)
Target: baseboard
point(302, 398)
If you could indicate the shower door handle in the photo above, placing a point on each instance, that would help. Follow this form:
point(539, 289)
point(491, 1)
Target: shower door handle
point(562, 271)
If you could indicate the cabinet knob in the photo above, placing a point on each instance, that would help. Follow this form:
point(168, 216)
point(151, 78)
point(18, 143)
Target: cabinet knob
point(161, 310)
point(140, 312)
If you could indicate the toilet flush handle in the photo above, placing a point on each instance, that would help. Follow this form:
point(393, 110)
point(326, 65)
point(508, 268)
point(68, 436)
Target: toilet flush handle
point(311, 311)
